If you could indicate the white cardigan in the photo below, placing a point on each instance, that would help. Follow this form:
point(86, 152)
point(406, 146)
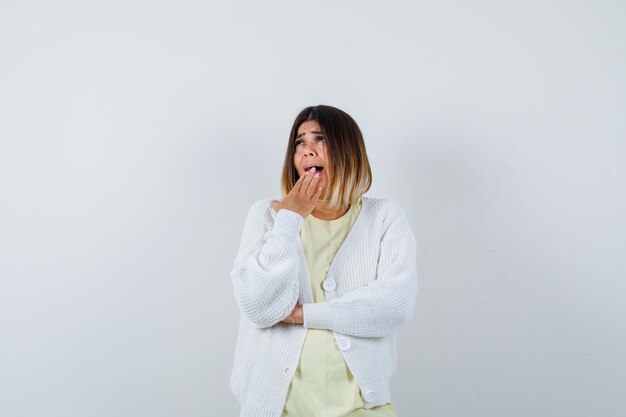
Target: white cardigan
point(370, 290)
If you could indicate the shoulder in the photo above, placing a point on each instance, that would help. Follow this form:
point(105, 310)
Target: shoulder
point(260, 205)
point(259, 217)
point(383, 206)
point(388, 213)
point(262, 209)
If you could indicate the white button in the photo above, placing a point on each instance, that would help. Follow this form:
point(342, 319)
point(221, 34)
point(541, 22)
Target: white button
point(369, 396)
point(344, 343)
point(329, 284)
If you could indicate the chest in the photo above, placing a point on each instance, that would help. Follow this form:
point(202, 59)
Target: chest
point(335, 263)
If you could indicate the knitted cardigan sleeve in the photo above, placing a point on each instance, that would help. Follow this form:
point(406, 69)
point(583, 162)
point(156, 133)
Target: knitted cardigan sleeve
point(265, 273)
point(385, 303)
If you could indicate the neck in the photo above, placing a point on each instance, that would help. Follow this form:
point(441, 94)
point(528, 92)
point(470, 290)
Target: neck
point(323, 212)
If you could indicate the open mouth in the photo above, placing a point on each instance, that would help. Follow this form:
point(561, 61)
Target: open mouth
point(317, 168)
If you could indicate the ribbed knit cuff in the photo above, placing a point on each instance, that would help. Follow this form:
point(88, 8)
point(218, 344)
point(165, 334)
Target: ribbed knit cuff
point(317, 316)
point(288, 222)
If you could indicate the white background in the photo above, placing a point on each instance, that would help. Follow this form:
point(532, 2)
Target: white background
point(134, 135)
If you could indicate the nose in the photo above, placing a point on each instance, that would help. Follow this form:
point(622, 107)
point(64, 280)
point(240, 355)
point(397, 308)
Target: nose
point(309, 150)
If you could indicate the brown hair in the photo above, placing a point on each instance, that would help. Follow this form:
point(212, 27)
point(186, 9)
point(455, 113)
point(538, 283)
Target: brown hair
point(349, 171)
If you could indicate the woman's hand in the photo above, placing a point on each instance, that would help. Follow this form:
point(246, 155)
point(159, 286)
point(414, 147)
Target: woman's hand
point(303, 196)
point(296, 316)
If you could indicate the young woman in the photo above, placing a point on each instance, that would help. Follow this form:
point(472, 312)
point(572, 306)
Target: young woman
point(323, 278)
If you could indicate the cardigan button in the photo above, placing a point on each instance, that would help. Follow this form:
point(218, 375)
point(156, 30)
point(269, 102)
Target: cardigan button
point(329, 284)
point(344, 343)
point(370, 396)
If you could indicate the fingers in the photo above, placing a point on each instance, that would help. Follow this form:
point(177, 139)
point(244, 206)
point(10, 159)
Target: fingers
point(312, 185)
point(318, 193)
point(307, 181)
point(288, 318)
point(295, 317)
point(307, 184)
point(292, 316)
point(302, 185)
point(298, 185)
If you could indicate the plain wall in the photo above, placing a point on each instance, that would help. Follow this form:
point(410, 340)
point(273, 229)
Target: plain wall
point(134, 136)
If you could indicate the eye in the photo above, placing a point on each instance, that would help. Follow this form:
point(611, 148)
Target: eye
point(319, 138)
point(298, 142)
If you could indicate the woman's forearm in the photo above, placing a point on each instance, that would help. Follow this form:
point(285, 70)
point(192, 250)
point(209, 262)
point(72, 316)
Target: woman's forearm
point(265, 274)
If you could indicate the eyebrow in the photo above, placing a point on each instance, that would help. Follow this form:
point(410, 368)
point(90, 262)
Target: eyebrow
point(315, 132)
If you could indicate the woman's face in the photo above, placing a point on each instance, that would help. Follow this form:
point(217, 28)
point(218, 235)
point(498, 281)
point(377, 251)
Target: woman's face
point(311, 150)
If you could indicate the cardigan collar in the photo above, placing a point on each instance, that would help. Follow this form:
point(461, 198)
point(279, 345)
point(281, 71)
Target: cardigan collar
point(355, 233)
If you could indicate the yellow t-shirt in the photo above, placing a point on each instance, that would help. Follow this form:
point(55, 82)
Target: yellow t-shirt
point(323, 385)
